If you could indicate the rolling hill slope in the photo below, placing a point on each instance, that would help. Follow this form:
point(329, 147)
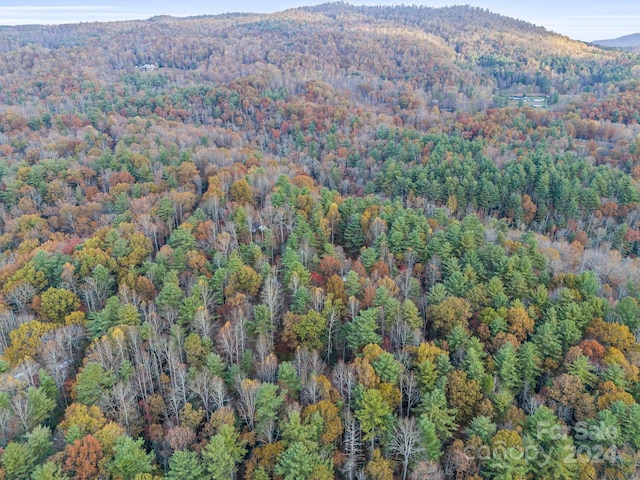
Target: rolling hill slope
point(333, 242)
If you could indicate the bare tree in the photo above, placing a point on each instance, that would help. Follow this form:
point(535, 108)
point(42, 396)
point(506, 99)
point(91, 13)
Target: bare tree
point(145, 366)
point(209, 390)
point(232, 339)
point(272, 297)
point(101, 351)
point(268, 369)
point(332, 314)
point(5, 421)
point(378, 227)
point(317, 298)
point(403, 280)
point(427, 470)
point(121, 406)
point(212, 208)
point(150, 229)
point(20, 294)
point(432, 273)
point(311, 391)
point(263, 348)
point(177, 393)
point(410, 392)
point(457, 462)
point(95, 292)
point(343, 378)
point(353, 304)
point(27, 372)
point(308, 363)
point(9, 321)
point(55, 360)
point(406, 442)
point(142, 377)
point(247, 392)
point(23, 410)
point(352, 447)
point(205, 294)
point(402, 335)
point(202, 322)
point(129, 296)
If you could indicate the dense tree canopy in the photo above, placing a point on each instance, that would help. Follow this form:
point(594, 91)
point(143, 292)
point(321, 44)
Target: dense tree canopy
point(333, 242)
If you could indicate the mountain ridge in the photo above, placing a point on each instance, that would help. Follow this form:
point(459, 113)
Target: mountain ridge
point(471, 42)
point(626, 41)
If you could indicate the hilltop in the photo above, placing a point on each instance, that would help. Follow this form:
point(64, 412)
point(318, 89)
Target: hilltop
point(431, 51)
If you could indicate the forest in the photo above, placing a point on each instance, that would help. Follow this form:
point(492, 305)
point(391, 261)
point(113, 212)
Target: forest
point(334, 242)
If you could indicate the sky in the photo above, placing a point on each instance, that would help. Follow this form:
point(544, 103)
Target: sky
point(585, 20)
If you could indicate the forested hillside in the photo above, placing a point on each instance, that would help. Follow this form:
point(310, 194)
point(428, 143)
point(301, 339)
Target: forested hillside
point(333, 242)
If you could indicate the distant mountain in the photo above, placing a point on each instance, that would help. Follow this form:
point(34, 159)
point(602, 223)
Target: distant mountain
point(628, 41)
point(456, 57)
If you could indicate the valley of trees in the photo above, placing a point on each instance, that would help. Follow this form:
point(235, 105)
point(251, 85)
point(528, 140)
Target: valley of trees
point(333, 242)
